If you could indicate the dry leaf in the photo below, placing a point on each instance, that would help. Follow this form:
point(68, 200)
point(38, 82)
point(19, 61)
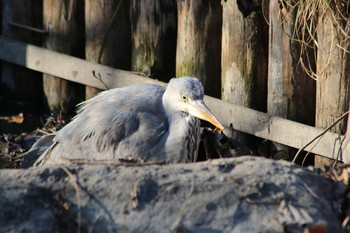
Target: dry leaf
point(18, 119)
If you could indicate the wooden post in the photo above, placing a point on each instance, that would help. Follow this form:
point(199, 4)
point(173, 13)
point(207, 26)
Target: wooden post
point(291, 92)
point(244, 56)
point(154, 38)
point(18, 92)
point(333, 71)
point(257, 123)
point(107, 28)
point(199, 42)
point(64, 20)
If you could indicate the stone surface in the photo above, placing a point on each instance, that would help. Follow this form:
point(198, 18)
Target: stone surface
point(245, 194)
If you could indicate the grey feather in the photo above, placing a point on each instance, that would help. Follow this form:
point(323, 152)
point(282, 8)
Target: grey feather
point(145, 123)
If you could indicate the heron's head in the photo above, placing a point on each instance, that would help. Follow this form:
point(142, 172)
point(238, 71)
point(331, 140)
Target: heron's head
point(186, 94)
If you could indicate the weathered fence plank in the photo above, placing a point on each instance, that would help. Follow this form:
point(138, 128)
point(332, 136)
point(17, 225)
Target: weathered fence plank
point(154, 38)
point(243, 119)
point(65, 66)
point(274, 128)
point(333, 71)
point(291, 93)
point(199, 42)
point(66, 35)
point(107, 30)
point(244, 57)
point(17, 91)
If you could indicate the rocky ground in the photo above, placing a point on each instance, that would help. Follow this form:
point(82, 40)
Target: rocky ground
point(243, 194)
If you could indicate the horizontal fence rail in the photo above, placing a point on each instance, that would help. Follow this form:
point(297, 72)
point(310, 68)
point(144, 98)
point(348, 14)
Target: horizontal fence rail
point(247, 120)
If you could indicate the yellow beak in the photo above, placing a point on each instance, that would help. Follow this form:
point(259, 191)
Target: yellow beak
point(199, 109)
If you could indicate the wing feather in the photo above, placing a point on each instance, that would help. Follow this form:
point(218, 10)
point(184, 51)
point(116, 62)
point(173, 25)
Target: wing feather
point(118, 123)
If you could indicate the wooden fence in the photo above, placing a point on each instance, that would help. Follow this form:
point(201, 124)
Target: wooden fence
point(248, 53)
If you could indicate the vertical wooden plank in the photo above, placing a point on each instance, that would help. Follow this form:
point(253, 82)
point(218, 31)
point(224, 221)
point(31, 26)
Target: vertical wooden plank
point(107, 28)
point(18, 92)
point(199, 42)
point(346, 143)
point(333, 70)
point(244, 54)
point(291, 92)
point(154, 38)
point(65, 20)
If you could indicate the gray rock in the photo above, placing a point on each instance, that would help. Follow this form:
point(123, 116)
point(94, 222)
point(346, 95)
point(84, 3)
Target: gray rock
point(245, 194)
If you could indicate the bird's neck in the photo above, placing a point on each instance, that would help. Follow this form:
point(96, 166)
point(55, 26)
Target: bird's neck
point(167, 101)
point(183, 138)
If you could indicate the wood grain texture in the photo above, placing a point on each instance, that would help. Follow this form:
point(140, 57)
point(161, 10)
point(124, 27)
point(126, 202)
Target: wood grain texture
point(154, 38)
point(64, 20)
point(291, 92)
point(244, 55)
point(198, 51)
point(333, 75)
point(333, 72)
point(107, 35)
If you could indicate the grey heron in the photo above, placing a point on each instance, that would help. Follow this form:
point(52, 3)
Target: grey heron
point(143, 123)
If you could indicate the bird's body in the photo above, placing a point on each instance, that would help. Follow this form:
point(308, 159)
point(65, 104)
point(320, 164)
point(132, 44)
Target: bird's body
point(144, 123)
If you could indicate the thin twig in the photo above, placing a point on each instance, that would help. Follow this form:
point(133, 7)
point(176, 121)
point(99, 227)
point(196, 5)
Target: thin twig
point(320, 135)
point(345, 222)
point(114, 162)
point(307, 154)
point(263, 13)
point(339, 151)
point(43, 131)
point(74, 181)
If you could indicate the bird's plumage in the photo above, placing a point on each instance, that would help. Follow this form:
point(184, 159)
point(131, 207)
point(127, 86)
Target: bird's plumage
point(145, 123)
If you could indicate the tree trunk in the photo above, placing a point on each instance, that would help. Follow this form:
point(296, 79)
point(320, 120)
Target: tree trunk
point(333, 72)
point(291, 92)
point(21, 87)
point(154, 38)
point(64, 19)
point(107, 27)
point(199, 42)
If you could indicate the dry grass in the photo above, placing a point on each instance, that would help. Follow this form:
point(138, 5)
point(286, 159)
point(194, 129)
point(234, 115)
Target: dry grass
point(306, 16)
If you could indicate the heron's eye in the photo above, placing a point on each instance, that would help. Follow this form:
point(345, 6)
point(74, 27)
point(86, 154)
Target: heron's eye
point(184, 98)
